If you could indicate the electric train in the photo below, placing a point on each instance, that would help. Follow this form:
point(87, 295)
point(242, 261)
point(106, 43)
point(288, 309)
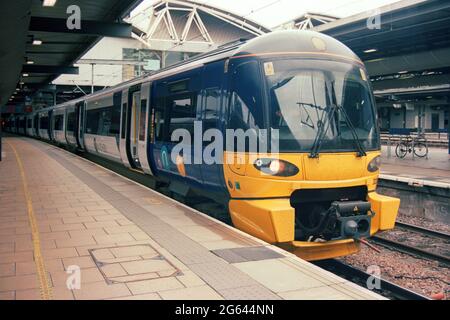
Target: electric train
point(315, 196)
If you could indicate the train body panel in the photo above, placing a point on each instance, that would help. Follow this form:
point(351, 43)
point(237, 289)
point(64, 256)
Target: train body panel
point(312, 192)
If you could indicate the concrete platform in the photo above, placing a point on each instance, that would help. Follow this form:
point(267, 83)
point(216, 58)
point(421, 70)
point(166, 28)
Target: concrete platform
point(60, 213)
point(434, 171)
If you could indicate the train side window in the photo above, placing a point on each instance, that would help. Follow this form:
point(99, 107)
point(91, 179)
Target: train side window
point(246, 110)
point(92, 121)
point(211, 108)
point(99, 121)
point(44, 123)
point(71, 121)
point(29, 123)
point(183, 112)
point(143, 120)
point(114, 128)
point(124, 119)
point(104, 121)
point(59, 122)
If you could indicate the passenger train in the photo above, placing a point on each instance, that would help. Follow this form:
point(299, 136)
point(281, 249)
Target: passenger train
point(316, 198)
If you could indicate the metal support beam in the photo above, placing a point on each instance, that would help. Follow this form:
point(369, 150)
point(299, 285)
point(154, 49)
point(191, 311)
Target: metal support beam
point(49, 69)
point(112, 62)
point(90, 27)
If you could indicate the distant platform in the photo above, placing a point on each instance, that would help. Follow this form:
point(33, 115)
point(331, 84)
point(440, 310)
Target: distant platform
point(434, 171)
point(59, 213)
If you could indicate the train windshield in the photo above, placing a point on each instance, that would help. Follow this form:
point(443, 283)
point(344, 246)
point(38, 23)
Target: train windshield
point(313, 100)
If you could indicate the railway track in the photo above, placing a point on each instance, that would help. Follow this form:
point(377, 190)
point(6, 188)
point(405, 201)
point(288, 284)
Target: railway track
point(428, 232)
point(411, 250)
point(387, 289)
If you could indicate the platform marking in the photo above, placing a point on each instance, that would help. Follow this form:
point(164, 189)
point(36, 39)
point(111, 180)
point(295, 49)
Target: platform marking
point(46, 290)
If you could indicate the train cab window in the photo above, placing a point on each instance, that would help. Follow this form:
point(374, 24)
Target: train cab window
point(59, 122)
point(246, 110)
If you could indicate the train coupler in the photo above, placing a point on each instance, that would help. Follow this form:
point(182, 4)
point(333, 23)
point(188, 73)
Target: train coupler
point(352, 219)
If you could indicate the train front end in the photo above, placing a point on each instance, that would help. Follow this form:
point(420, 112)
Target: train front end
point(313, 189)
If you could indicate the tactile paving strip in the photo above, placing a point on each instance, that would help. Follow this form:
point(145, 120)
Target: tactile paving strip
point(236, 255)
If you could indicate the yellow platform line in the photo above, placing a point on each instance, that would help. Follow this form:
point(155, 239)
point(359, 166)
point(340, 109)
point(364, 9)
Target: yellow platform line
point(44, 284)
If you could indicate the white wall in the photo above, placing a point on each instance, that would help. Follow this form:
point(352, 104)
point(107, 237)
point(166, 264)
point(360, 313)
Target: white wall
point(412, 118)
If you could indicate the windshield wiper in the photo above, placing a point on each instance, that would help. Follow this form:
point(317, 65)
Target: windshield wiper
point(361, 150)
point(329, 113)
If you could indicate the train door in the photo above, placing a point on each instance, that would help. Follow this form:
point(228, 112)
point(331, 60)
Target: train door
point(175, 110)
point(124, 154)
point(143, 139)
point(80, 111)
point(36, 124)
point(50, 125)
point(212, 171)
point(134, 124)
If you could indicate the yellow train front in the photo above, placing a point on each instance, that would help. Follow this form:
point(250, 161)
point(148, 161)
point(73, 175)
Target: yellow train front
point(314, 191)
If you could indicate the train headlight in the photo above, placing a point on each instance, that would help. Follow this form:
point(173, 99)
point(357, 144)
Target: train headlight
point(276, 167)
point(374, 165)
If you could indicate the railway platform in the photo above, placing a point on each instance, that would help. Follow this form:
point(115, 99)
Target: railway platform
point(70, 229)
point(434, 170)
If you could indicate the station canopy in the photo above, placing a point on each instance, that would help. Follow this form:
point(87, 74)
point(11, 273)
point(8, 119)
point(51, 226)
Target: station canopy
point(37, 46)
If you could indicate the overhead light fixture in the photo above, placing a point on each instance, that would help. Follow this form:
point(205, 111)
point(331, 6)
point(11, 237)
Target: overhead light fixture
point(48, 3)
point(370, 50)
point(22, 83)
point(30, 62)
point(25, 75)
point(37, 42)
point(403, 72)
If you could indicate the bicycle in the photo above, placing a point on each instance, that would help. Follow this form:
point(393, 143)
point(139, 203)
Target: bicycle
point(418, 146)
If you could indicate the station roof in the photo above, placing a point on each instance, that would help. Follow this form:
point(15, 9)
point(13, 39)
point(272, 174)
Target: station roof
point(33, 66)
point(411, 43)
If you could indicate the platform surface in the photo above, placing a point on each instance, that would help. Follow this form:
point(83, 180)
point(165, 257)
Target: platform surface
point(120, 240)
point(435, 169)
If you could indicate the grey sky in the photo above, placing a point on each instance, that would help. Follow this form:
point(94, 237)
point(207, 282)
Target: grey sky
point(271, 13)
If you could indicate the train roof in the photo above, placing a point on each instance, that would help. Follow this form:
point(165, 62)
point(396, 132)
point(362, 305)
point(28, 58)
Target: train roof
point(287, 42)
